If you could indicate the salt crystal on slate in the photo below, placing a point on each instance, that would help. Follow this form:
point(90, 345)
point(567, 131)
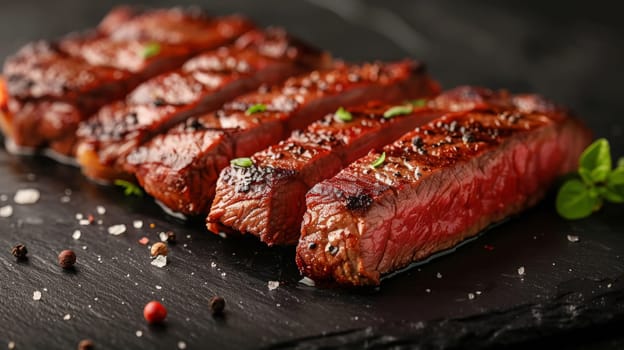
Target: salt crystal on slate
point(79, 216)
point(137, 224)
point(100, 210)
point(439, 275)
point(213, 264)
point(116, 230)
point(181, 345)
point(139, 334)
point(471, 296)
point(273, 285)
point(158, 287)
point(573, 238)
point(521, 271)
point(307, 281)
point(67, 317)
point(27, 196)
point(160, 261)
point(6, 211)
point(478, 292)
point(76, 235)
point(11, 345)
point(3, 197)
point(84, 222)
point(36, 295)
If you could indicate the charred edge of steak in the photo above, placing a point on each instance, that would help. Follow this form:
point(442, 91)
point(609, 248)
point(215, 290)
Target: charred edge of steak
point(243, 178)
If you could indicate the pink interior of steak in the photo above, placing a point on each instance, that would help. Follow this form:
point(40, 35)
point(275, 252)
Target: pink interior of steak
point(203, 84)
point(438, 185)
point(84, 72)
point(268, 198)
point(297, 103)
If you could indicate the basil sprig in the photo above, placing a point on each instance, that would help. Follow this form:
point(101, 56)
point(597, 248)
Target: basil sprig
point(580, 197)
point(130, 189)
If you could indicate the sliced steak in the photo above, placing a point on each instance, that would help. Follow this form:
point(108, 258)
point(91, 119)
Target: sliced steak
point(267, 199)
point(180, 168)
point(54, 86)
point(437, 186)
point(203, 84)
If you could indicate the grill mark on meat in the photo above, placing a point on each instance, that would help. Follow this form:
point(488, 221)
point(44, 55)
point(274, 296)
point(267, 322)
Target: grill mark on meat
point(203, 84)
point(307, 157)
point(82, 72)
point(293, 105)
point(412, 216)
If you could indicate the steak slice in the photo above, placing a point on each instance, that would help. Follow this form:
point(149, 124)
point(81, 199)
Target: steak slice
point(54, 86)
point(438, 185)
point(203, 84)
point(267, 199)
point(181, 167)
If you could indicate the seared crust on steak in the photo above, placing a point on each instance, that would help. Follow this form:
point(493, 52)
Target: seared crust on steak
point(202, 85)
point(183, 182)
point(53, 86)
point(268, 198)
point(438, 185)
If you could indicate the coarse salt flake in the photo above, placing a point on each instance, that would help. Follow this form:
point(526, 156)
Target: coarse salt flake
point(439, 275)
point(163, 236)
point(573, 238)
point(116, 230)
point(521, 271)
point(273, 285)
point(100, 210)
point(27, 196)
point(76, 235)
point(307, 281)
point(471, 296)
point(160, 261)
point(6, 211)
point(158, 287)
point(181, 345)
point(3, 197)
point(67, 317)
point(36, 295)
point(137, 224)
point(139, 333)
point(84, 222)
point(11, 345)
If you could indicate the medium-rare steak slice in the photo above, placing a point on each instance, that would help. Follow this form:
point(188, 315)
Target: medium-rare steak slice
point(433, 188)
point(202, 85)
point(267, 199)
point(181, 168)
point(54, 86)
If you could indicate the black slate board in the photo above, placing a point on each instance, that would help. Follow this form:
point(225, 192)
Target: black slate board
point(572, 294)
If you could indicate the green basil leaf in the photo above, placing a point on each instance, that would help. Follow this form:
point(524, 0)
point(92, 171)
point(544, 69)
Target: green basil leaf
point(586, 176)
point(242, 162)
point(397, 110)
point(130, 189)
point(597, 160)
point(379, 161)
point(614, 191)
point(343, 115)
point(257, 108)
point(151, 50)
point(574, 200)
point(616, 177)
point(620, 163)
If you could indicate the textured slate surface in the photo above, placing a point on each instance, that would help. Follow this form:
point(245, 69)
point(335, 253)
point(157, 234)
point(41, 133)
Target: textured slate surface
point(572, 293)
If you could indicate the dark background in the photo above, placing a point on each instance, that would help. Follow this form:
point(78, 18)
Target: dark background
point(569, 51)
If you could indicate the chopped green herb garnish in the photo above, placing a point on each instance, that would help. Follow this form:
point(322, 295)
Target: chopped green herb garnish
point(379, 161)
point(151, 50)
point(397, 110)
point(130, 189)
point(421, 102)
point(343, 115)
point(596, 181)
point(257, 108)
point(242, 162)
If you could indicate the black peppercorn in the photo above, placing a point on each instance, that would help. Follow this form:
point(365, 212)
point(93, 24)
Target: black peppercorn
point(67, 259)
point(19, 251)
point(217, 305)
